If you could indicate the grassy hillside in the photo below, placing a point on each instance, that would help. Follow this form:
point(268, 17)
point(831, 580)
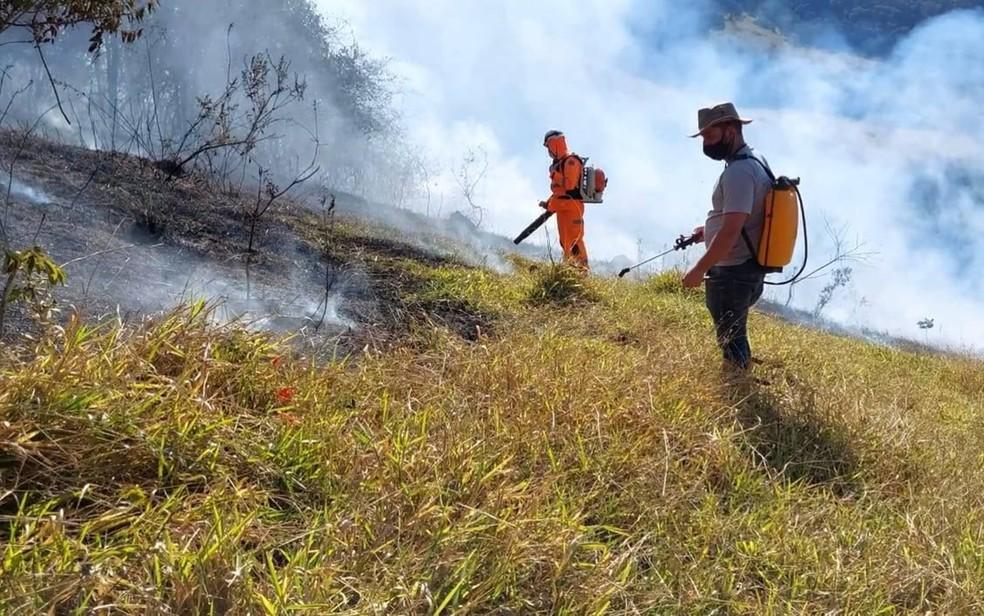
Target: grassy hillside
point(570, 447)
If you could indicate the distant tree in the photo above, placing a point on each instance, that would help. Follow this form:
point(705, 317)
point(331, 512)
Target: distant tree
point(926, 325)
point(841, 278)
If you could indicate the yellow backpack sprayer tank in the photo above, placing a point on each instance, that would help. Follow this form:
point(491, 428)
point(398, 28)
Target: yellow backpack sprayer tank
point(781, 224)
point(783, 210)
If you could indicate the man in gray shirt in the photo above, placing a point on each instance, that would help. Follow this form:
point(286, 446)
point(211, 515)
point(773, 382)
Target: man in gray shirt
point(734, 225)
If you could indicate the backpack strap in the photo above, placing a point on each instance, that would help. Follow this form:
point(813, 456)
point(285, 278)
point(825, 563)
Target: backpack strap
point(744, 233)
point(759, 161)
point(560, 163)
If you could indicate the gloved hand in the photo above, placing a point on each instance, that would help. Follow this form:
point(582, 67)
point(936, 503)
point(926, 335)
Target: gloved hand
point(543, 204)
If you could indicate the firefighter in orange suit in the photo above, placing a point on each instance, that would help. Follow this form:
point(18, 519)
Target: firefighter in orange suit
point(565, 198)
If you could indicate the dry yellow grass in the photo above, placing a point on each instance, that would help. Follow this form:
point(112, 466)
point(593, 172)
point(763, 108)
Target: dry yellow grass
point(584, 458)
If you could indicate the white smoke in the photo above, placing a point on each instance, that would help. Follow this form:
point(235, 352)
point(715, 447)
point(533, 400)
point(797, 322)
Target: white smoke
point(19, 189)
point(149, 279)
point(887, 148)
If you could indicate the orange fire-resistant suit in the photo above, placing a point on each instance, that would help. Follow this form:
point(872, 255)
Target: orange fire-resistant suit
point(564, 201)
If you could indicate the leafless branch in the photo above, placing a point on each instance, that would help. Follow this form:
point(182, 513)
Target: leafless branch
point(328, 239)
point(98, 253)
point(51, 80)
point(843, 254)
point(468, 180)
point(13, 97)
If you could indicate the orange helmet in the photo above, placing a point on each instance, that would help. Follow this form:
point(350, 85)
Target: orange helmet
point(551, 134)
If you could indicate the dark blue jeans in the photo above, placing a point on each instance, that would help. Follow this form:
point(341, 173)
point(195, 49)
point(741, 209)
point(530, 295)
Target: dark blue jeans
point(730, 292)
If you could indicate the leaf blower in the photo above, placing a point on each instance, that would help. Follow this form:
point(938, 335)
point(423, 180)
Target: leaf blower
point(536, 224)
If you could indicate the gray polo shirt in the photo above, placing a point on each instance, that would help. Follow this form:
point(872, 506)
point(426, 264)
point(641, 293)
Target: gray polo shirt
point(742, 187)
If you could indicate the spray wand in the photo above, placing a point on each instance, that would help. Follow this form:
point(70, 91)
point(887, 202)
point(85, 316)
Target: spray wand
point(681, 243)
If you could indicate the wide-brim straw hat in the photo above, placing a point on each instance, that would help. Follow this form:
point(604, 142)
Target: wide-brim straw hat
point(709, 116)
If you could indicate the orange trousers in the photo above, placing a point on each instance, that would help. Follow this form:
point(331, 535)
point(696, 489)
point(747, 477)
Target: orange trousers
point(570, 227)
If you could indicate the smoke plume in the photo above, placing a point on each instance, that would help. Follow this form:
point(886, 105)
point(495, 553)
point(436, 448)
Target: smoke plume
point(886, 147)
